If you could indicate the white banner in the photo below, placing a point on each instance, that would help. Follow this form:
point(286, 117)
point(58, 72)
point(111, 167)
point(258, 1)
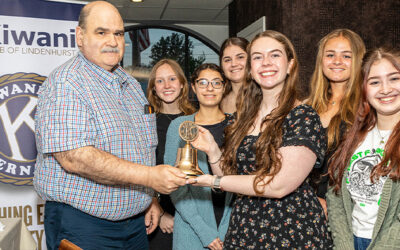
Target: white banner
point(30, 48)
point(34, 44)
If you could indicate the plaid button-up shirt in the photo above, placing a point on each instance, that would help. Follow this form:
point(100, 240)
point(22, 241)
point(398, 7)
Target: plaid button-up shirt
point(81, 104)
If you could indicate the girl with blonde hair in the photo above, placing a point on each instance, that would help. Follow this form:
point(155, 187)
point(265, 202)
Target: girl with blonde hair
point(335, 91)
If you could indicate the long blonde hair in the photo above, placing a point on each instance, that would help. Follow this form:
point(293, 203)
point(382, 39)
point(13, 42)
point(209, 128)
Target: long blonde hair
point(183, 99)
point(321, 90)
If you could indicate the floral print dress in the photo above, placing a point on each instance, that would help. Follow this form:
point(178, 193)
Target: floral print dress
point(296, 221)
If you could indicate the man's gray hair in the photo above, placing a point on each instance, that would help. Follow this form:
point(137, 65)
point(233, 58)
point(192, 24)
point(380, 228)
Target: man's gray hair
point(83, 16)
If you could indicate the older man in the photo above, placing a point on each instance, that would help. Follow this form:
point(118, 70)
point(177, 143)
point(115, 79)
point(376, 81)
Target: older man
point(95, 144)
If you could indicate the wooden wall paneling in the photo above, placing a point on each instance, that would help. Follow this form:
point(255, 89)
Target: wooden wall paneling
point(305, 22)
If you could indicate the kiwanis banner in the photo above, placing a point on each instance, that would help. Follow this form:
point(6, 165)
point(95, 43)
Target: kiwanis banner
point(35, 37)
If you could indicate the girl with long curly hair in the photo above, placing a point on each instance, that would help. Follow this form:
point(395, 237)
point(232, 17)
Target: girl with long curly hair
point(268, 155)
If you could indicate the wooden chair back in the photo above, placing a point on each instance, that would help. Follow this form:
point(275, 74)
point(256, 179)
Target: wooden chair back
point(68, 245)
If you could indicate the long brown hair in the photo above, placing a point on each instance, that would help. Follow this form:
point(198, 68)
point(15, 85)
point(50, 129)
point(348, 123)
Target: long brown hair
point(232, 41)
point(321, 90)
point(183, 100)
point(268, 162)
point(365, 121)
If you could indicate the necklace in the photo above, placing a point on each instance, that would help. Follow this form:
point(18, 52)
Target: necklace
point(332, 102)
point(384, 137)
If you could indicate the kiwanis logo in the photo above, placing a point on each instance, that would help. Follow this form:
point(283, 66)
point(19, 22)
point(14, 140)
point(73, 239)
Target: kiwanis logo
point(18, 99)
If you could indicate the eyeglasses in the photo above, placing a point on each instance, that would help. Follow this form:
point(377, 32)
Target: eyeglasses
point(216, 84)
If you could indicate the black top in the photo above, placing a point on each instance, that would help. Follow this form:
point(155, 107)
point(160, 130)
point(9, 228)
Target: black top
point(296, 221)
point(320, 178)
point(218, 198)
point(158, 239)
point(163, 121)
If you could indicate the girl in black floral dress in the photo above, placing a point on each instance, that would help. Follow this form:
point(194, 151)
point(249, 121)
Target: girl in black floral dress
point(268, 154)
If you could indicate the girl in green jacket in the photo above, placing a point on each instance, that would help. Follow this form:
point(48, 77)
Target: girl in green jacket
point(363, 202)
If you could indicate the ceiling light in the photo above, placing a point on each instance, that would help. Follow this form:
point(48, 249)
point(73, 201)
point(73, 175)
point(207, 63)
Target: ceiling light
point(136, 1)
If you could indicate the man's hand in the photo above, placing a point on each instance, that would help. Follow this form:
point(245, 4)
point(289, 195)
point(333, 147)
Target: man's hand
point(152, 216)
point(106, 168)
point(167, 223)
point(216, 244)
point(166, 179)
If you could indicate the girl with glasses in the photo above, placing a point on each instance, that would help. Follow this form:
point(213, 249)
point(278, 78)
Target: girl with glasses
point(201, 217)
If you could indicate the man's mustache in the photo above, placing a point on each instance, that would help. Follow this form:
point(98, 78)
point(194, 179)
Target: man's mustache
point(110, 50)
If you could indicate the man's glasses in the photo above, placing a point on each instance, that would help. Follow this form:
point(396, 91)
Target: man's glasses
point(216, 84)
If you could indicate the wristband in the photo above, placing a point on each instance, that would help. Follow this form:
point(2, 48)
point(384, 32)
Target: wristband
point(157, 195)
point(217, 183)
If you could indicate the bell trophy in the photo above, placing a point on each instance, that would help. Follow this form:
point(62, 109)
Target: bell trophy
point(187, 156)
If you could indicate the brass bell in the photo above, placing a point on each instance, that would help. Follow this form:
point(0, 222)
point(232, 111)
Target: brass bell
point(187, 156)
point(187, 161)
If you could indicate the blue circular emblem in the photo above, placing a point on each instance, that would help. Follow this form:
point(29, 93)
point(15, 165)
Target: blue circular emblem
point(18, 100)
